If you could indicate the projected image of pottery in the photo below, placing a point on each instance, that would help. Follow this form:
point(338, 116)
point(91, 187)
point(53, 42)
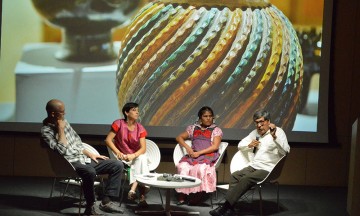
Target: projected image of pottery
point(86, 26)
point(236, 57)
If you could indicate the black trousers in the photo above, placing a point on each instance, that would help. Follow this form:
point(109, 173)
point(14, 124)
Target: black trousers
point(241, 181)
point(88, 172)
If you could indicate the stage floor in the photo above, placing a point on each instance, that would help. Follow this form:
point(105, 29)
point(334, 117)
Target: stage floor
point(29, 196)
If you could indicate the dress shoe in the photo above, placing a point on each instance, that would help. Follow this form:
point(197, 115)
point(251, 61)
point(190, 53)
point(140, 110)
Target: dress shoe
point(91, 211)
point(219, 211)
point(229, 212)
point(110, 207)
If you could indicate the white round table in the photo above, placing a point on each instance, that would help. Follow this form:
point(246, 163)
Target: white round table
point(151, 180)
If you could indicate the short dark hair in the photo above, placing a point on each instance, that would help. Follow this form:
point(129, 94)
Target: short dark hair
point(203, 110)
point(127, 107)
point(261, 113)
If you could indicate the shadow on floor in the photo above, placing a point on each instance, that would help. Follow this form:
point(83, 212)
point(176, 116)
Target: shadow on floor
point(29, 196)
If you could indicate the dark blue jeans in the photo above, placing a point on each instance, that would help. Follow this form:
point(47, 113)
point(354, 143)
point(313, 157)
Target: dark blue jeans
point(88, 174)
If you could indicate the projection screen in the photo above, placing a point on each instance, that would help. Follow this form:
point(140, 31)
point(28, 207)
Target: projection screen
point(94, 91)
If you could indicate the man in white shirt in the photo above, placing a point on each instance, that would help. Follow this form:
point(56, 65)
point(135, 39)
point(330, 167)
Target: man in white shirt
point(269, 143)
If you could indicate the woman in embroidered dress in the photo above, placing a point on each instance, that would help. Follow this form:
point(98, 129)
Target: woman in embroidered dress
point(127, 140)
point(201, 156)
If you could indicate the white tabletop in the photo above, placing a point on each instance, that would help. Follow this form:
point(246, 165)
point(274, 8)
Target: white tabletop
point(151, 180)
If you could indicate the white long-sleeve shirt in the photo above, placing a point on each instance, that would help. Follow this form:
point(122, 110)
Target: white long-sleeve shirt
point(269, 151)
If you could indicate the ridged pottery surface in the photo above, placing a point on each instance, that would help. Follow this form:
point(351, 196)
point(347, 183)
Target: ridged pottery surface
point(235, 58)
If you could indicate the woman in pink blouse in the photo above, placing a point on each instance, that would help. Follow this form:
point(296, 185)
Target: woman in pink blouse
point(127, 140)
point(201, 156)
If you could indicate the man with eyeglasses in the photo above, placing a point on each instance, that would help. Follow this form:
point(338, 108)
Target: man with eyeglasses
point(269, 144)
point(60, 136)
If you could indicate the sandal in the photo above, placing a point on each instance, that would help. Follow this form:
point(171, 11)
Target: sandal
point(132, 195)
point(181, 199)
point(181, 202)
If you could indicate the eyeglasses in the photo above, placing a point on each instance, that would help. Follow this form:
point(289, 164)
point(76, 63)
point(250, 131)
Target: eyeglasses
point(261, 122)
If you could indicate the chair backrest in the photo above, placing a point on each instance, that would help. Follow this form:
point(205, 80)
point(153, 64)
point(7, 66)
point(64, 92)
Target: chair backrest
point(59, 165)
point(153, 154)
point(275, 172)
point(180, 151)
point(241, 159)
point(90, 149)
point(111, 154)
point(222, 150)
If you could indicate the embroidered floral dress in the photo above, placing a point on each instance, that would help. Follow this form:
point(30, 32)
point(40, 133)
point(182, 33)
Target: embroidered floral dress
point(201, 167)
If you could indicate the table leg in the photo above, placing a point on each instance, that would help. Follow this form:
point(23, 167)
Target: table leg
point(167, 203)
point(167, 210)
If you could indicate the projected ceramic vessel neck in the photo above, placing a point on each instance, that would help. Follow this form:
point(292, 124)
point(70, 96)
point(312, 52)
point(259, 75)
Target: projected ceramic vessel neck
point(86, 26)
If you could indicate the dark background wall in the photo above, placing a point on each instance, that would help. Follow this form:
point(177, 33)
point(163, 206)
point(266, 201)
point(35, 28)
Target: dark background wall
point(314, 165)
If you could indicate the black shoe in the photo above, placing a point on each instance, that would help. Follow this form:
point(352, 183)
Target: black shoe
point(229, 212)
point(91, 211)
point(110, 207)
point(219, 211)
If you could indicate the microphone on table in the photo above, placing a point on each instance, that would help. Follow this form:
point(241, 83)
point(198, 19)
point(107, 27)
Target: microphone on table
point(254, 149)
point(188, 179)
point(184, 178)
